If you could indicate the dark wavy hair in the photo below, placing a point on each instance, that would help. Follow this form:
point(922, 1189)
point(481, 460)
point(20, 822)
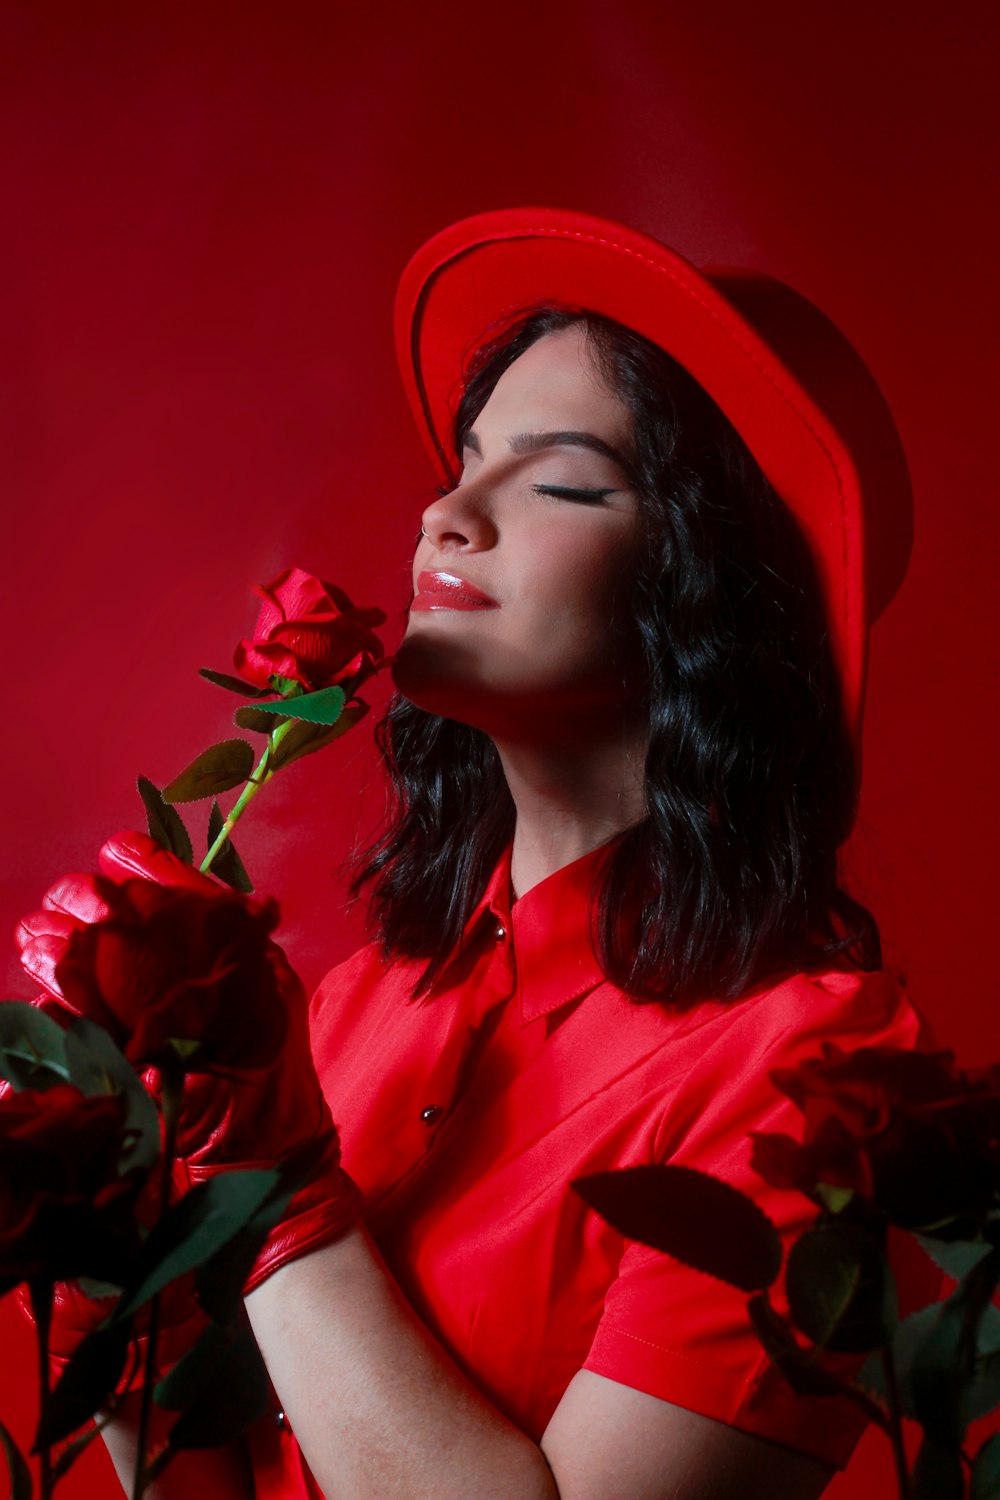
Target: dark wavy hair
point(750, 777)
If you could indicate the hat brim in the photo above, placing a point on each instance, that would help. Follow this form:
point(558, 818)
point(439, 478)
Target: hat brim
point(466, 282)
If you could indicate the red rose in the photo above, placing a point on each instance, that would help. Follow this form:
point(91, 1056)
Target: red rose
point(64, 1209)
point(176, 972)
point(310, 631)
point(914, 1135)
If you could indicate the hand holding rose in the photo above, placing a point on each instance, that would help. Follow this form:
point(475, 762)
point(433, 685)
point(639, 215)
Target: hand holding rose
point(182, 972)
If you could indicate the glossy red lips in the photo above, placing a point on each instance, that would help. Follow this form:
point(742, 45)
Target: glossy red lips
point(448, 591)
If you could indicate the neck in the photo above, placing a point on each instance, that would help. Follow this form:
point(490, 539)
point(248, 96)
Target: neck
point(569, 800)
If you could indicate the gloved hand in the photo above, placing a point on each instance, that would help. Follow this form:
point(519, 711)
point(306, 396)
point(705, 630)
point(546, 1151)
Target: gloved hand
point(253, 1120)
point(75, 1315)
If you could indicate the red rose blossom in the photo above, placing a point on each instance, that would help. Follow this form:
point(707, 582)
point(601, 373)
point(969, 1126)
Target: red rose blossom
point(64, 1209)
point(310, 631)
point(171, 966)
point(909, 1131)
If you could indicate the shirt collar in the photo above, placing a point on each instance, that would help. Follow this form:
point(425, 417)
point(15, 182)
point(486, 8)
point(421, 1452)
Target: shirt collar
point(549, 928)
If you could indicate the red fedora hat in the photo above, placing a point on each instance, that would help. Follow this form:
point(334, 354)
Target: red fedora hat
point(788, 380)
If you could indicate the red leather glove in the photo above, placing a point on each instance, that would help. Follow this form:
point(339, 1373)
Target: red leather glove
point(226, 1123)
point(75, 1315)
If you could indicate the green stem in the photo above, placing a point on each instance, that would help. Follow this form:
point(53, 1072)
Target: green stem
point(42, 1294)
point(260, 777)
point(895, 1422)
point(173, 1089)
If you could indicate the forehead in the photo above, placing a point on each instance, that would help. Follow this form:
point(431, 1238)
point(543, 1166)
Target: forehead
point(555, 384)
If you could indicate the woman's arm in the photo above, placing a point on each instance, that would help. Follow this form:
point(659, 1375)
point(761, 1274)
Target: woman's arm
point(380, 1410)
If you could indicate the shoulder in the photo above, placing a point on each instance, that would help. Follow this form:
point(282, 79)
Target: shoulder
point(732, 1049)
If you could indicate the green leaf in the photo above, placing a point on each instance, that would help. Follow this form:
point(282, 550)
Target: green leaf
point(97, 1066)
point(288, 687)
point(163, 821)
point(71, 1452)
point(232, 684)
point(937, 1473)
point(187, 1379)
point(219, 768)
point(841, 1292)
point(943, 1369)
point(17, 1467)
point(227, 864)
point(985, 1480)
point(68, 1455)
point(305, 738)
point(799, 1366)
point(220, 1280)
point(238, 1394)
point(91, 1287)
point(32, 1047)
point(696, 1218)
point(195, 1228)
point(954, 1257)
point(252, 718)
point(833, 1198)
point(981, 1396)
point(94, 1370)
point(324, 707)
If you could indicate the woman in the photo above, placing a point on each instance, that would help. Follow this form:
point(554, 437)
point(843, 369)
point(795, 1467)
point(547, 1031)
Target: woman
point(624, 757)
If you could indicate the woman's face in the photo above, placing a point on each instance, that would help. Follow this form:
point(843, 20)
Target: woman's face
point(524, 565)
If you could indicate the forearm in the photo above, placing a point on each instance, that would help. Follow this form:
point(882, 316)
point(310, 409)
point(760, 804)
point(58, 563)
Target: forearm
point(379, 1408)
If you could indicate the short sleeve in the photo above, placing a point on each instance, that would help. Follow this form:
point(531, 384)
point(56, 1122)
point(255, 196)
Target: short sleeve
point(681, 1335)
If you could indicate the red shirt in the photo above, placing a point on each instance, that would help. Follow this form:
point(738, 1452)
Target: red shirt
point(465, 1115)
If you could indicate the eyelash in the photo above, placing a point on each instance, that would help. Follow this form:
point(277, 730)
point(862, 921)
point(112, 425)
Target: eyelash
point(553, 491)
point(566, 492)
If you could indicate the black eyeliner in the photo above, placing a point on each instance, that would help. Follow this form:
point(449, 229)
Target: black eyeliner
point(568, 492)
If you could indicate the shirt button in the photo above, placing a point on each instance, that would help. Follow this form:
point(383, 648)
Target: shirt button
point(500, 932)
point(430, 1114)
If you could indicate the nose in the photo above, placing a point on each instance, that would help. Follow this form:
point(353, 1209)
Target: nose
point(460, 520)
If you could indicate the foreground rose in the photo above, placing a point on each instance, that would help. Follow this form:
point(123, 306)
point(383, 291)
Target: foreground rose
point(64, 1209)
point(910, 1132)
point(179, 974)
point(309, 631)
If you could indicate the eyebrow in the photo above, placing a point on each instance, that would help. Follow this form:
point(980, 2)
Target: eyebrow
point(536, 442)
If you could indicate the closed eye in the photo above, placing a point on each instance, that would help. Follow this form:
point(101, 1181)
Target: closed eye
point(566, 492)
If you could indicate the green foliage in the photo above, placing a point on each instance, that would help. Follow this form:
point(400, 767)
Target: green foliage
point(943, 1368)
point(840, 1290)
point(227, 864)
point(305, 738)
point(164, 822)
point(32, 1047)
point(221, 1277)
point(253, 718)
point(937, 1473)
point(237, 1395)
point(97, 1066)
point(799, 1366)
point(288, 687)
point(954, 1257)
point(232, 684)
point(322, 707)
point(220, 1385)
point(193, 1229)
point(692, 1216)
point(17, 1467)
point(982, 1393)
point(985, 1482)
point(217, 769)
point(92, 1373)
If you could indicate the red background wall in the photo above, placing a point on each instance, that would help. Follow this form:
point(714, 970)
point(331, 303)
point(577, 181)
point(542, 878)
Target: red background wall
point(205, 209)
